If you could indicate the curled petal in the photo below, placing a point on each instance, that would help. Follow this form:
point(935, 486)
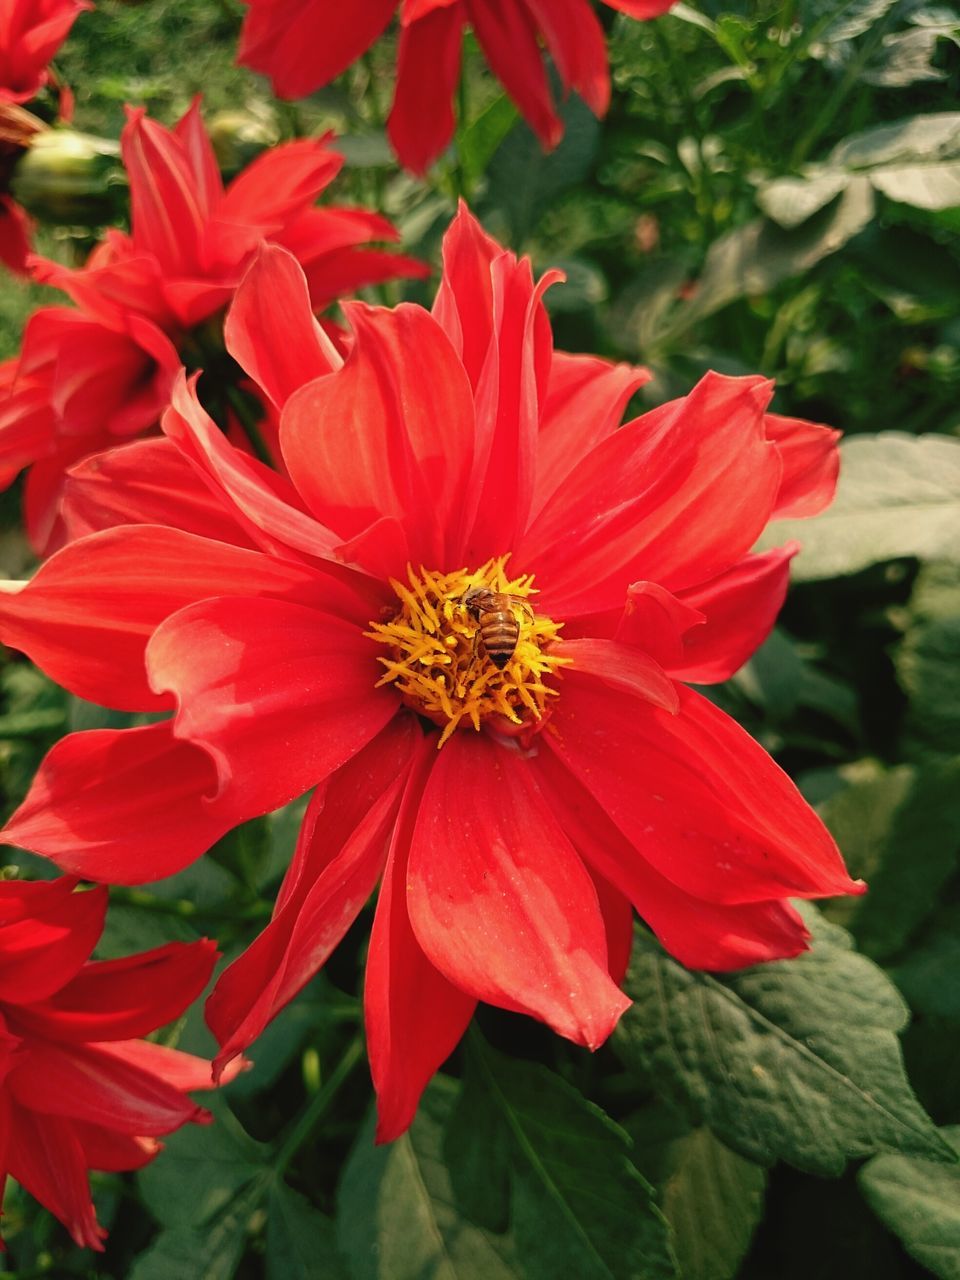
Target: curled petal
point(811, 464)
point(51, 941)
point(121, 805)
point(625, 668)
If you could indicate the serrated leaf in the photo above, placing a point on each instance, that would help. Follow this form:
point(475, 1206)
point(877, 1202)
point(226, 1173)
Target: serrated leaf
point(398, 1218)
point(899, 495)
point(578, 1205)
point(301, 1241)
point(712, 1197)
point(796, 1061)
point(920, 1202)
point(899, 829)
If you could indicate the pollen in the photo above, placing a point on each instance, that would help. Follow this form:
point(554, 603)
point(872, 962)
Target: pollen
point(464, 648)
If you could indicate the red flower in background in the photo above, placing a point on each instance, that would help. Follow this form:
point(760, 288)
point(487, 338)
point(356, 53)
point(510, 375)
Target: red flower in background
point(107, 365)
point(31, 32)
point(303, 44)
point(335, 628)
point(79, 1088)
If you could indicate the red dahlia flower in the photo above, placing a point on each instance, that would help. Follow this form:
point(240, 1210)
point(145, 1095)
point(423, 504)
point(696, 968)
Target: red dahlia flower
point(31, 32)
point(466, 618)
point(303, 44)
point(108, 365)
point(79, 1088)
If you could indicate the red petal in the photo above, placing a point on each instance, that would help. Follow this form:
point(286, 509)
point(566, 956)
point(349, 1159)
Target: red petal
point(303, 44)
point(578, 46)
point(182, 1071)
point(110, 1152)
point(624, 668)
point(500, 901)
point(386, 435)
point(15, 232)
point(740, 608)
point(166, 204)
point(347, 270)
point(414, 1016)
point(675, 497)
point(98, 1088)
point(585, 402)
point(642, 9)
point(46, 1157)
point(271, 330)
point(464, 303)
point(509, 394)
point(657, 622)
point(86, 616)
point(700, 934)
point(121, 805)
point(617, 911)
point(200, 155)
point(264, 503)
point(279, 695)
point(339, 858)
point(811, 464)
point(507, 35)
point(428, 68)
point(700, 800)
point(121, 999)
point(147, 482)
point(43, 950)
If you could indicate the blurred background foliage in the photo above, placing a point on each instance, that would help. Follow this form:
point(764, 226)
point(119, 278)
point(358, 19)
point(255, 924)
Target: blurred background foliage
point(776, 190)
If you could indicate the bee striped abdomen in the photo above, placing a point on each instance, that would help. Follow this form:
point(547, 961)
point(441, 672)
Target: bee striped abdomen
point(499, 634)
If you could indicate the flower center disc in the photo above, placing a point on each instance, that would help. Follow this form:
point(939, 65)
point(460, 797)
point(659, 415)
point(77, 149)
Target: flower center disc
point(465, 647)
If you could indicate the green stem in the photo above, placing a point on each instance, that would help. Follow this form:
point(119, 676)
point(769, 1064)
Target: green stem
point(304, 1125)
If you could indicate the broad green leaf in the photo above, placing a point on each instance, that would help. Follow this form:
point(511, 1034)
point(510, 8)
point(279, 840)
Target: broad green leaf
point(790, 201)
point(920, 1202)
point(755, 257)
point(398, 1218)
point(796, 1061)
point(925, 186)
point(712, 1197)
point(934, 136)
point(929, 975)
point(213, 1253)
point(301, 1241)
point(202, 1170)
point(899, 495)
point(899, 829)
point(481, 138)
point(523, 181)
point(577, 1204)
point(928, 662)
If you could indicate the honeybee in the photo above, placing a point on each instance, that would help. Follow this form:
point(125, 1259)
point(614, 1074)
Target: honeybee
point(499, 627)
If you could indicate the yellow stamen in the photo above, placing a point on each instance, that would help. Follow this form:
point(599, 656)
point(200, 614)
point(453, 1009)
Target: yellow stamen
point(436, 659)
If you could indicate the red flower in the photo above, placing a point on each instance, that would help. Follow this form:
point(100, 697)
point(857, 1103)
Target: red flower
point(108, 366)
point(31, 32)
point(303, 44)
point(79, 1088)
point(335, 634)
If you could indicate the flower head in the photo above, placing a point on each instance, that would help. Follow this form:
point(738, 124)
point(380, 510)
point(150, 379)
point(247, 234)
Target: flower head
point(79, 1088)
point(31, 32)
point(303, 44)
point(109, 363)
point(466, 615)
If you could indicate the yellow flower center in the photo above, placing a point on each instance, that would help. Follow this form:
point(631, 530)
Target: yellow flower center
point(466, 647)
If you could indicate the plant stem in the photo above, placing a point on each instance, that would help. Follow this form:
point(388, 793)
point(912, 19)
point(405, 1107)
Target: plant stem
point(314, 1111)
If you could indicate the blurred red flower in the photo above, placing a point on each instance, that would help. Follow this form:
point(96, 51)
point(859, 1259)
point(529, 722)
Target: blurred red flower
point(31, 32)
point(335, 626)
point(107, 365)
point(303, 44)
point(79, 1088)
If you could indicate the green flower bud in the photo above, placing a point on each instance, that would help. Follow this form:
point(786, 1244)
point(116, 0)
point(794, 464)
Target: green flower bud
point(67, 176)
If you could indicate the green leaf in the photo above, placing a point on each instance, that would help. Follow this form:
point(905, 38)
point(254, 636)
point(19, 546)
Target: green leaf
point(899, 829)
point(899, 495)
point(934, 136)
point(213, 1253)
point(523, 181)
point(202, 1170)
point(927, 976)
point(755, 257)
point(481, 138)
point(398, 1218)
point(712, 1197)
point(790, 201)
point(301, 1241)
point(920, 1202)
point(928, 663)
point(578, 1205)
point(797, 1061)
